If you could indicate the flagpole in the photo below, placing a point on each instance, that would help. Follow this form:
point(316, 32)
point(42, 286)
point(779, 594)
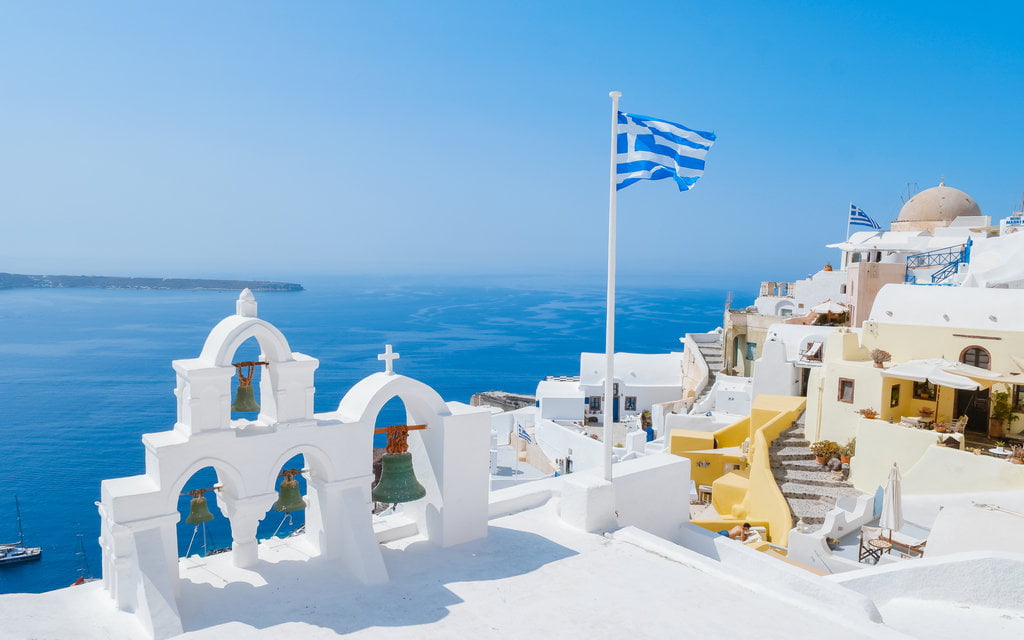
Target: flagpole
point(609, 338)
point(849, 214)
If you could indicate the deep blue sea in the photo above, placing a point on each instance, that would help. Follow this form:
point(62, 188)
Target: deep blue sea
point(84, 373)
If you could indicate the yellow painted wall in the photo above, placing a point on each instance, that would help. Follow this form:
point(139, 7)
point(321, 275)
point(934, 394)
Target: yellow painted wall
point(717, 465)
point(682, 440)
point(752, 495)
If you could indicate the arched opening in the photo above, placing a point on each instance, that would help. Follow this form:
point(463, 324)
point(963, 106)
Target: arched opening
point(281, 523)
point(202, 538)
point(248, 351)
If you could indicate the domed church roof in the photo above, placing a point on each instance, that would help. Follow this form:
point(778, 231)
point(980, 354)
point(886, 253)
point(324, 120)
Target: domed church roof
point(939, 203)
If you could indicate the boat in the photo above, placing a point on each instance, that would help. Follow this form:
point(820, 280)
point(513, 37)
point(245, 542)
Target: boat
point(17, 552)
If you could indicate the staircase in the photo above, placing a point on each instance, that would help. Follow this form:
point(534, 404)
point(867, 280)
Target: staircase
point(810, 491)
point(713, 353)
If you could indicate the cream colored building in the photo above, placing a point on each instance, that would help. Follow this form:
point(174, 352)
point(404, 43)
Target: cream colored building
point(977, 326)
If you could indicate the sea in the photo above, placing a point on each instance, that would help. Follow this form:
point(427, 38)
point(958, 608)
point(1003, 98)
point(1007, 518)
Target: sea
point(84, 373)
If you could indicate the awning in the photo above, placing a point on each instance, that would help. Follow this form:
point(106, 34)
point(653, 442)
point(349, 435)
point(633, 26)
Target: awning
point(944, 373)
point(830, 307)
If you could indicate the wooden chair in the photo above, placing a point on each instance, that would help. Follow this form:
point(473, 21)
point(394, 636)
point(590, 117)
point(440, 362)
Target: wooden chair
point(959, 425)
point(906, 546)
point(868, 550)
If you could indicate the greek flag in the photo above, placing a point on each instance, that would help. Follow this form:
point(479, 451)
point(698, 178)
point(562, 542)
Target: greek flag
point(523, 434)
point(858, 217)
point(652, 149)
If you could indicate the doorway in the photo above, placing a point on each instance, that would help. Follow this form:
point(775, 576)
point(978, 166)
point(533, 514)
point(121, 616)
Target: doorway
point(972, 403)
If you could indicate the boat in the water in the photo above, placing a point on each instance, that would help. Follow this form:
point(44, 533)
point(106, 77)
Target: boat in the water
point(16, 552)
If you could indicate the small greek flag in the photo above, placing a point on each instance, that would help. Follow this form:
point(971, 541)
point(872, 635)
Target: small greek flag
point(523, 434)
point(652, 149)
point(858, 217)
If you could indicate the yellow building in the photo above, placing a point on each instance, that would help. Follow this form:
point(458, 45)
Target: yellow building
point(976, 326)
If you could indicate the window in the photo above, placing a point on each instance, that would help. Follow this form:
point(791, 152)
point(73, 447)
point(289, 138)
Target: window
point(846, 390)
point(595, 404)
point(842, 288)
point(751, 350)
point(924, 391)
point(630, 403)
point(976, 357)
point(894, 396)
point(1018, 398)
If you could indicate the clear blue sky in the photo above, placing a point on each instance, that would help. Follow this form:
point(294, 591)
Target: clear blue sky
point(282, 139)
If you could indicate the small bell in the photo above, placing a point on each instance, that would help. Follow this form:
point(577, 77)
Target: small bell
point(288, 497)
point(245, 400)
point(245, 396)
point(198, 512)
point(397, 481)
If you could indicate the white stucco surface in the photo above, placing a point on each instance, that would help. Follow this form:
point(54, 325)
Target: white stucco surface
point(532, 576)
point(634, 369)
point(953, 307)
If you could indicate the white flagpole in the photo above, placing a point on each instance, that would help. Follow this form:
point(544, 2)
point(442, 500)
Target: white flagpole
point(609, 338)
point(849, 214)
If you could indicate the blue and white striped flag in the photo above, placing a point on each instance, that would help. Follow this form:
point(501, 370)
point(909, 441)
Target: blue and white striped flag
point(523, 434)
point(652, 149)
point(858, 217)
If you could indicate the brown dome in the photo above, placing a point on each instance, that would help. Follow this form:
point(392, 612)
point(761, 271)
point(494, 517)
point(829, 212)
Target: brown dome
point(939, 204)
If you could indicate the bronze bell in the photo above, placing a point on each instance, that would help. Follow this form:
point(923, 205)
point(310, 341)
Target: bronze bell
point(198, 512)
point(397, 481)
point(288, 497)
point(245, 400)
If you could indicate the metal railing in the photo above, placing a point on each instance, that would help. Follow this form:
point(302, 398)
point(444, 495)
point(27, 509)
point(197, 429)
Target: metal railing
point(949, 259)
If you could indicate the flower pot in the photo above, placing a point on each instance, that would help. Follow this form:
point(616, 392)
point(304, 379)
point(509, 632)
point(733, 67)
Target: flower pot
point(819, 459)
point(879, 365)
point(995, 428)
point(844, 459)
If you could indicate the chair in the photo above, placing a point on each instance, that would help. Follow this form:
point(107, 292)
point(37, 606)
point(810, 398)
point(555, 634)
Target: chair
point(960, 425)
point(907, 546)
point(868, 550)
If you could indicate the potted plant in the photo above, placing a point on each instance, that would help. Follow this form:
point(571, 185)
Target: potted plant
point(824, 450)
point(880, 357)
point(868, 413)
point(1002, 413)
point(847, 450)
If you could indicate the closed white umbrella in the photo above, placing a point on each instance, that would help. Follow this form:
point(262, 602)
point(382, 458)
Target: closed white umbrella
point(892, 503)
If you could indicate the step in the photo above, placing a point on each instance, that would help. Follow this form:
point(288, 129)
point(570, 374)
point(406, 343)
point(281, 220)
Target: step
point(793, 441)
point(784, 457)
point(811, 491)
point(819, 478)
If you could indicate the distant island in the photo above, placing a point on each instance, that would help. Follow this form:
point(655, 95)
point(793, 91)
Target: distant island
point(20, 281)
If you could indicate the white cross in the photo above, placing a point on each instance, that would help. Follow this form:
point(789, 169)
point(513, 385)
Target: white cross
point(388, 357)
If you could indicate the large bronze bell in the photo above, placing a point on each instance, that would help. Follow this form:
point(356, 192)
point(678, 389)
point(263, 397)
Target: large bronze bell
point(288, 497)
point(245, 400)
point(198, 512)
point(397, 481)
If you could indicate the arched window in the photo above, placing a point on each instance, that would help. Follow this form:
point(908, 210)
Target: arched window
point(977, 357)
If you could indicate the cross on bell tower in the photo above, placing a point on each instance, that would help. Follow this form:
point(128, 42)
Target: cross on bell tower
point(388, 357)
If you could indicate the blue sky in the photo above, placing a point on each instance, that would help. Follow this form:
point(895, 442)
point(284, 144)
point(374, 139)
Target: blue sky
point(288, 139)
